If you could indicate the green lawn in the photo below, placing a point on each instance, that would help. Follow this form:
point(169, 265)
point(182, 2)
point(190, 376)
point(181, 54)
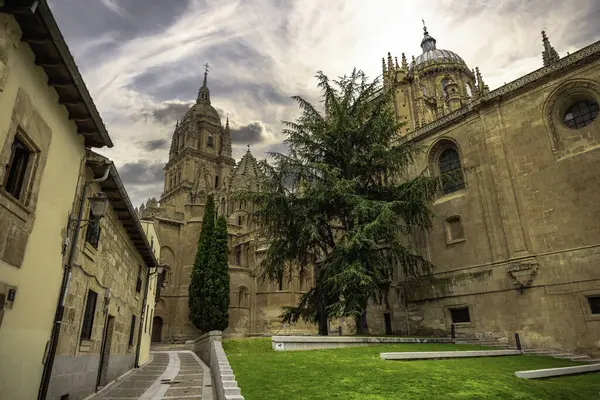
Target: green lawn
point(359, 373)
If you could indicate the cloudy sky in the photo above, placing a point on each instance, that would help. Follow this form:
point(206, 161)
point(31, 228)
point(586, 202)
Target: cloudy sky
point(142, 60)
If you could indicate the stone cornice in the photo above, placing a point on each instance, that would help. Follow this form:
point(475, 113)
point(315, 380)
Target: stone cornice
point(514, 88)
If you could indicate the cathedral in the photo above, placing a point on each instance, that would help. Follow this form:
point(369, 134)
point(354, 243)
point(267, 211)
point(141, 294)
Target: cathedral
point(515, 241)
point(200, 164)
point(516, 237)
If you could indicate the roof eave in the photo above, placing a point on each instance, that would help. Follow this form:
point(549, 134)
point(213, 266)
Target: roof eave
point(43, 35)
point(115, 190)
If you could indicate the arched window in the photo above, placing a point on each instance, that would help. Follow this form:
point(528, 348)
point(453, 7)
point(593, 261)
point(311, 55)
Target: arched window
point(450, 171)
point(445, 83)
point(468, 89)
point(238, 257)
point(209, 141)
point(242, 297)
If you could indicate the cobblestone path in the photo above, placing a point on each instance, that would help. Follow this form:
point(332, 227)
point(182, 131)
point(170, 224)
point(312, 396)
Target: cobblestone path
point(170, 375)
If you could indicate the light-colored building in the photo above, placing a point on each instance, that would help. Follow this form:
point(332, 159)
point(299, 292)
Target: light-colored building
point(104, 311)
point(47, 119)
point(152, 294)
point(200, 164)
point(516, 238)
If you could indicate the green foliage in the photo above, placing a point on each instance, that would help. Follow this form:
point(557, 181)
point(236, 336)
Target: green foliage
point(216, 296)
point(198, 282)
point(359, 374)
point(345, 199)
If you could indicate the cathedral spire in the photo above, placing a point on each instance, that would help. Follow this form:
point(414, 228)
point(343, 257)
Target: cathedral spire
point(204, 92)
point(226, 140)
point(404, 63)
point(428, 42)
point(549, 55)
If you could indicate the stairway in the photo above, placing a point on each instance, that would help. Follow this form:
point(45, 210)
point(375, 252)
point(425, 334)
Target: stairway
point(556, 353)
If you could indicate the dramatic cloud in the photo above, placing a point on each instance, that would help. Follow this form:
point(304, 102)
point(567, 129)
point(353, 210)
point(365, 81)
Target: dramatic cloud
point(254, 132)
point(170, 111)
point(158, 144)
point(142, 172)
point(143, 59)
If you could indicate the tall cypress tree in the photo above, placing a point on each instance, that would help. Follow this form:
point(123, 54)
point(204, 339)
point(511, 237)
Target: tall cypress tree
point(216, 297)
point(199, 284)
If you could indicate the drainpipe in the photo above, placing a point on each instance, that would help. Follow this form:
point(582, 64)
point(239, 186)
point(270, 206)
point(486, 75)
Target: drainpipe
point(64, 290)
point(142, 317)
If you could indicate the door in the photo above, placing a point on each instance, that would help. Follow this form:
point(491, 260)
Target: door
point(105, 356)
point(157, 323)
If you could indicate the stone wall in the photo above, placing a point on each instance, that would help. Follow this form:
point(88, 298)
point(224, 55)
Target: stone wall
point(115, 265)
point(529, 214)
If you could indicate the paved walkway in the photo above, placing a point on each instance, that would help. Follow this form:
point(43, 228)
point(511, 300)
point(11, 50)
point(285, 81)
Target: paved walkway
point(169, 375)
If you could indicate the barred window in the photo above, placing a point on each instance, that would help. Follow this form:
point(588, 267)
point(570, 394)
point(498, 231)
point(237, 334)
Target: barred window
point(92, 233)
point(581, 114)
point(450, 171)
point(16, 168)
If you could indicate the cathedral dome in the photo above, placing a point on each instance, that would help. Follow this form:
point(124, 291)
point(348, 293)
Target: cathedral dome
point(432, 55)
point(202, 110)
point(438, 56)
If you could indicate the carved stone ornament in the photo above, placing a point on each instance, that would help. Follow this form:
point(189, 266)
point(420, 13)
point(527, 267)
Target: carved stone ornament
point(522, 273)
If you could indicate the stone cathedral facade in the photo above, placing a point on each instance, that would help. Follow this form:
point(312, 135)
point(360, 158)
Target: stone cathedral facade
point(516, 239)
point(200, 164)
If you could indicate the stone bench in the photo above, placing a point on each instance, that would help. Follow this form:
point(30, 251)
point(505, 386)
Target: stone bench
point(546, 373)
point(288, 343)
point(429, 355)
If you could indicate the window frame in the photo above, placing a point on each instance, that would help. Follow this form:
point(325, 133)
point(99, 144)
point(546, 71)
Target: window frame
point(89, 313)
point(591, 306)
point(92, 231)
point(460, 308)
point(457, 184)
point(450, 239)
point(28, 171)
point(132, 331)
point(14, 182)
point(138, 283)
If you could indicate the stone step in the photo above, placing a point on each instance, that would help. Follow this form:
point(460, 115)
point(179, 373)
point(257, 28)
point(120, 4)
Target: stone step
point(592, 360)
point(563, 355)
point(580, 358)
point(540, 351)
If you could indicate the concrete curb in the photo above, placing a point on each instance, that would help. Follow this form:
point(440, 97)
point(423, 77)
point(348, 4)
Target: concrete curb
point(547, 373)
point(431, 355)
point(290, 343)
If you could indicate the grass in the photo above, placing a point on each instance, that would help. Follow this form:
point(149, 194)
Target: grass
point(359, 373)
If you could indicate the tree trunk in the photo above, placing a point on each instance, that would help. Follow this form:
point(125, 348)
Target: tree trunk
point(322, 320)
point(362, 327)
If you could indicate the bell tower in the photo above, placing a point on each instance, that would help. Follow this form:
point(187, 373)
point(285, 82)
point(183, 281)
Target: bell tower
point(200, 153)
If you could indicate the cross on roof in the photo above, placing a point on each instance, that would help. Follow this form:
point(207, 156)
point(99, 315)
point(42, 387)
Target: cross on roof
point(206, 66)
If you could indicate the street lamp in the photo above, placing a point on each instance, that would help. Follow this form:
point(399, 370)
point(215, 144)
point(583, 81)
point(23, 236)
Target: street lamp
point(98, 205)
